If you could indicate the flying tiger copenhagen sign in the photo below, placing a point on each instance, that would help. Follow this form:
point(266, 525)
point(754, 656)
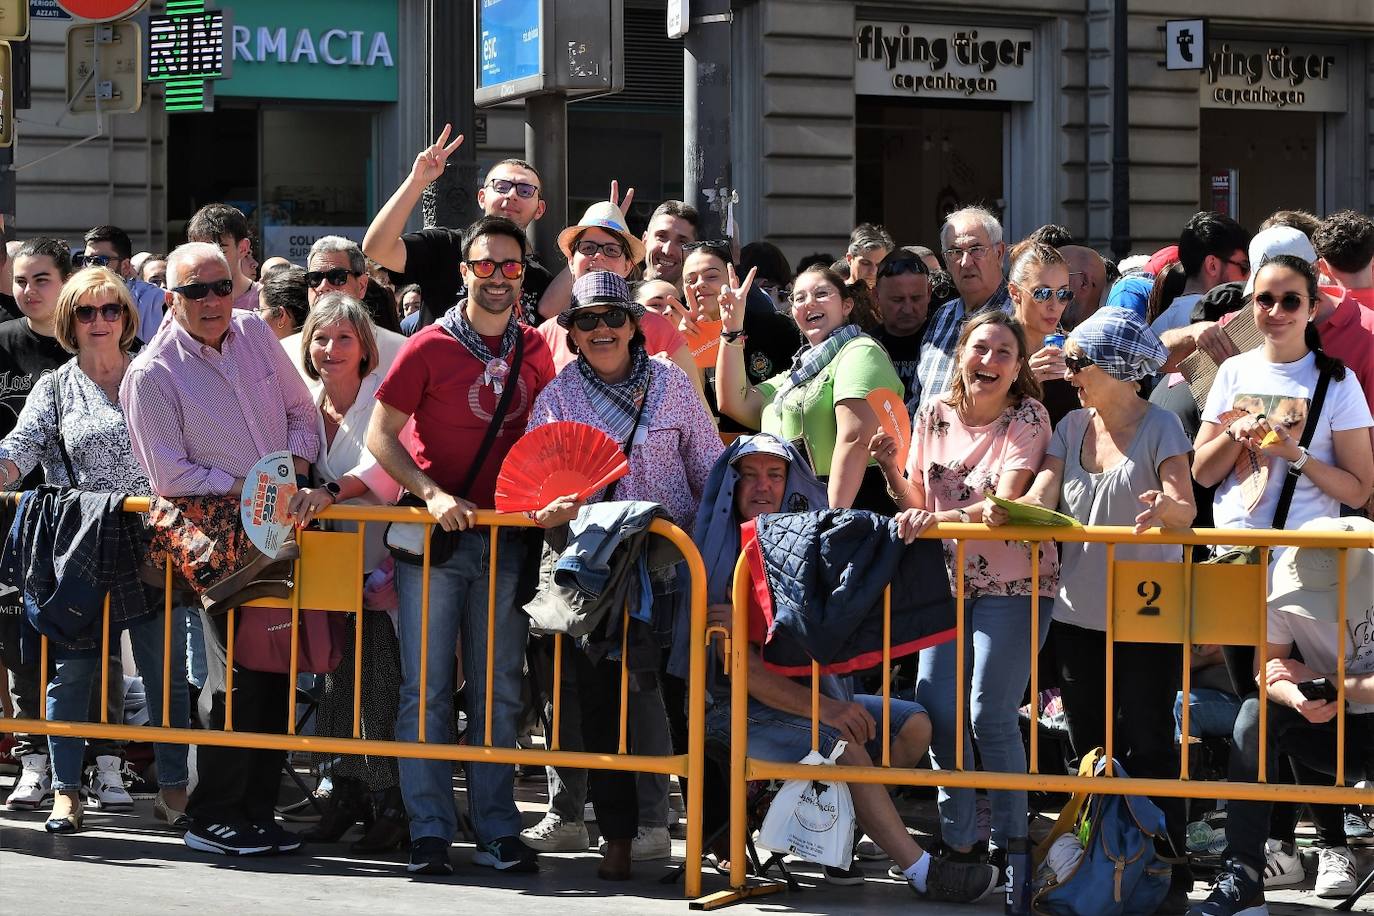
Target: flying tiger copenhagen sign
point(914, 59)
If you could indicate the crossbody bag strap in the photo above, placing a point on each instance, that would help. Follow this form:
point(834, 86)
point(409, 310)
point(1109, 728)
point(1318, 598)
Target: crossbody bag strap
point(57, 422)
point(498, 418)
point(1290, 480)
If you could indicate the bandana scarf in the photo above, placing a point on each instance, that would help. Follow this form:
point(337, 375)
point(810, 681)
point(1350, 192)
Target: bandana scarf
point(1121, 344)
point(809, 362)
point(494, 368)
point(617, 404)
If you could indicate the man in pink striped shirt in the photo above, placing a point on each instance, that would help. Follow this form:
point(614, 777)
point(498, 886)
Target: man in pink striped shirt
point(211, 394)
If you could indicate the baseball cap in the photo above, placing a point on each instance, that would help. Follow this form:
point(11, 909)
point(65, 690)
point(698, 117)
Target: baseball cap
point(1277, 240)
point(762, 444)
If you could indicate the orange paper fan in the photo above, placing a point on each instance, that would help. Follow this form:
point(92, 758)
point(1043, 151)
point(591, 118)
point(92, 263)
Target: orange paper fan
point(557, 459)
point(892, 419)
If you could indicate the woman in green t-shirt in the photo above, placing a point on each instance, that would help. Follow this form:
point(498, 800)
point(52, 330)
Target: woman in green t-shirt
point(819, 404)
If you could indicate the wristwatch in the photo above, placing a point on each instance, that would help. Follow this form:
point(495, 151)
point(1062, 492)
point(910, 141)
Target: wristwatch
point(964, 516)
point(1296, 467)
point(334, 490)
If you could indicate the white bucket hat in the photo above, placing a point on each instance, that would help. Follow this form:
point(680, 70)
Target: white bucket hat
point(1305, 578)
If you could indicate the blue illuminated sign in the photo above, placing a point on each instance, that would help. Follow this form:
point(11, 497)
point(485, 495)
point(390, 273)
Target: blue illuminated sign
point(509, 41)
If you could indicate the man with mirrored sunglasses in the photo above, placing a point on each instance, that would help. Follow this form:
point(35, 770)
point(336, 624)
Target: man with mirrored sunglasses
point(110, 246)
point(430, 257)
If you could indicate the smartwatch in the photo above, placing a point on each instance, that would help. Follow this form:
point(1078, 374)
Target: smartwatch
point(334, 490)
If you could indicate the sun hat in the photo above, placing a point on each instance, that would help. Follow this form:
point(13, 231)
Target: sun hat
point(1277, 240)
point(1305, 578)
point(600, 287)
point(605, 216)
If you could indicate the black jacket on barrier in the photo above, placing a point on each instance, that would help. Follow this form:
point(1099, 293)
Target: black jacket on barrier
point(819, 577)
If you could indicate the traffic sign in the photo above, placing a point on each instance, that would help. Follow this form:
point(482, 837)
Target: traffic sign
point(14, 20)
point(101, 10)
point(105, 67)
point(6, 95)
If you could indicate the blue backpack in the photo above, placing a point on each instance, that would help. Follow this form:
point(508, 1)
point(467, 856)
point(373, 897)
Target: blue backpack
point(1120, 873)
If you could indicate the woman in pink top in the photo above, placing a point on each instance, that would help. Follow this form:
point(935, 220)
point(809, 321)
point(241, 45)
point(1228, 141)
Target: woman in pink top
point(988, 434)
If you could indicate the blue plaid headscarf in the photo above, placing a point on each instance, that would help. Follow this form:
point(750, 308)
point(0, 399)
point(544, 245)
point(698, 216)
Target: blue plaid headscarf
point(1119, 342)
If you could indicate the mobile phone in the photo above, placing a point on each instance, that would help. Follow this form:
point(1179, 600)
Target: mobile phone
point(1318, 689)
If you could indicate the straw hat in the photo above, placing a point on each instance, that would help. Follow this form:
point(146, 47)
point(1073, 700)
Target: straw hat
point(607, 217)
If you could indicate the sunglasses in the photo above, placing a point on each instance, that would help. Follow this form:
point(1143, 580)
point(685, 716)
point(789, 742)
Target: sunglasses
point(1044, 293)
point(92, 260)
point(523, 189)
point(486, 267)
point(1077, 364)
point(198, 291)
point(589, 249)
point(612, 318)
point(110, 311)
point(902, 266)
point(1290, 302)
point(336, 276)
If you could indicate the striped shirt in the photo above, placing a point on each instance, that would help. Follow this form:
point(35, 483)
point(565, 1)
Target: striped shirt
point(200, 418)
point(936, 370)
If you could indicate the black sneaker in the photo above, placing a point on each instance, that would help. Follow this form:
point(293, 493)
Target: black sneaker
point(282, 840)
point(1236, 892)
point(997, 858)
point(429, 856)
point(958, 882)
point(507, 854)
point(227, 839)
point(844, 877)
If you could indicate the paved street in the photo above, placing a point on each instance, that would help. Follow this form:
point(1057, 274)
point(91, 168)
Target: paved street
point(134, 860)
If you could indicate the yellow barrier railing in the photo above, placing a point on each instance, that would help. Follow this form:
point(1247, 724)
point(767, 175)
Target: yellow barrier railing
point(328, 577)
point(1184, 603)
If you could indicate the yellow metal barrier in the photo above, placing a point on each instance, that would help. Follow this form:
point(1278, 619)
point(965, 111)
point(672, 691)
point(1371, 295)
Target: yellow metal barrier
point(1172, 603)
point(329, 577)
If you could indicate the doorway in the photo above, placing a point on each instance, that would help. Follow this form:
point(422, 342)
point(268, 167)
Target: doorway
point(1270, 159)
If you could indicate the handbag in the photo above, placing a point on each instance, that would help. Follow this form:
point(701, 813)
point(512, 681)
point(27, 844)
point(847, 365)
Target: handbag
point(812, 819)
point(262, 640)
point(406, 540)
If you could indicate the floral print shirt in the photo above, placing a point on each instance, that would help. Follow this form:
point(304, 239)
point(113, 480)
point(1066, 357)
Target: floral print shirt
point(955, 464)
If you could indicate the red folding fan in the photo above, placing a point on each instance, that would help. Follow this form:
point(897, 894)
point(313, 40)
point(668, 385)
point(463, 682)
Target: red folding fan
point(557, 459)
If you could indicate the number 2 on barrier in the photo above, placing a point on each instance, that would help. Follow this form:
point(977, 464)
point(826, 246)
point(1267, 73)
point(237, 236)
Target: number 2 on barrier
point(1148, 603)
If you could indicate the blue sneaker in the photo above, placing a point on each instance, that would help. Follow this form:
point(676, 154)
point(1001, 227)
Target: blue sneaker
point(429, 856)
point(1237, 891)
point(507, 854)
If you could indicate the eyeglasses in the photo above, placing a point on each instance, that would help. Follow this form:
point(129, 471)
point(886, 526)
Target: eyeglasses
point(486, 267)
point(1290, 302)
point(902, 266)
point(92, 260)
point(1043, 294)
point(198, 291)
point(1243, 266)
point(523, 189)
point(337, 276)
point(110, 311)
point(612, 318)
point(589, 249)
point(977, 252)
point(1077, 364)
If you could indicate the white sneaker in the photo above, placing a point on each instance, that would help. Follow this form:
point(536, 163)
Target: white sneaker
point(106, 784)
point(1336, 875)
point(553, 834)
point(649, 843)
point(34, 786)
point(1282, 866)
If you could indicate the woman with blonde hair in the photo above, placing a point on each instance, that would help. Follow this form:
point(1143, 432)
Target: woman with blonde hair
point(73, 426)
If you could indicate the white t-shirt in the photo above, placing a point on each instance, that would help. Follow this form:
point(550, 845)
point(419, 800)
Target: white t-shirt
point(1316, 640)
point(1179, 314)
point(1283, 392)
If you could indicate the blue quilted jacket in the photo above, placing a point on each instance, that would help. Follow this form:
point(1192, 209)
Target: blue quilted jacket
point(823, 575)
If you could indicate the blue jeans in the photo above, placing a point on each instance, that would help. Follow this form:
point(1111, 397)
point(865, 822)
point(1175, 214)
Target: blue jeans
point(1211, 713)
point(458, 603)
point(997, 660)
point(786, 738)
point(69, 698)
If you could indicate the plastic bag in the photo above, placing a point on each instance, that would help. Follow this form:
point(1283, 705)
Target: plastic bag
point(813, 819)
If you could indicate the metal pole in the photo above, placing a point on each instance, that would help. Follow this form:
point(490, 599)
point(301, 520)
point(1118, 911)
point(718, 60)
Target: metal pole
point(1121, 118)
point(707, 182)
point(546, 146)
point(451, 201)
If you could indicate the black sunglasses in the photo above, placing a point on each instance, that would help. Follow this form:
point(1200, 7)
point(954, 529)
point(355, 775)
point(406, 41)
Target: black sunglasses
point(337, 276)
point(612, 318)
point(198, 291)
point(899, 266)
point(522, 188)
point(486, 267)
point(1043, 294)
point(1290, 302)
point(110, 311)
point(1077, 364)
point(92, 260)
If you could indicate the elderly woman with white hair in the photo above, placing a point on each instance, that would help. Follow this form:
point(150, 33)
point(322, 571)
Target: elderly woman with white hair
point(341, 362)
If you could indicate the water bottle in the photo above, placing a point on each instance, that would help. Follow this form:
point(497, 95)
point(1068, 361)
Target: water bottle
point(1018, 875)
